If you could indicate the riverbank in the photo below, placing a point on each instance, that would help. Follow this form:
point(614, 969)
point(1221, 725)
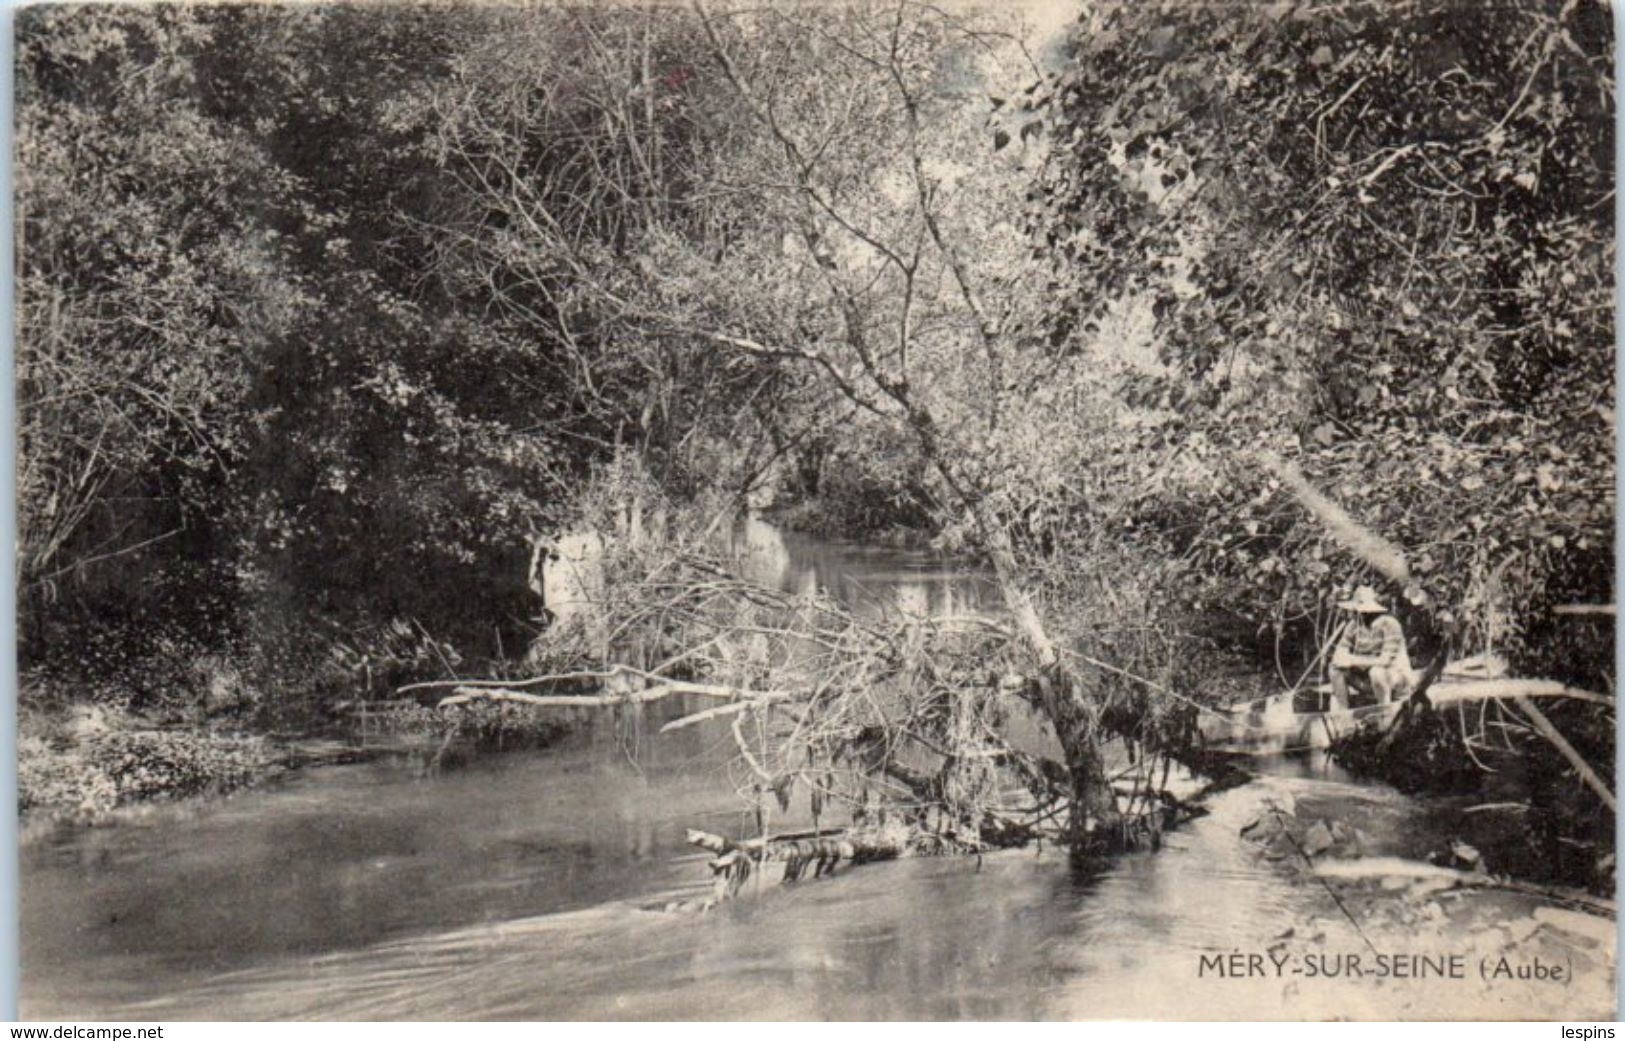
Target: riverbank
point(81, 762)
point(399, 875)
point(86, 764)
point(1503, 790)
point(1411, 922)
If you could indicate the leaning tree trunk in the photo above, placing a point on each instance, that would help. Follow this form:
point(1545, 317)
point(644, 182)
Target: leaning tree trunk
point(1095, 824)
point(1095, 816)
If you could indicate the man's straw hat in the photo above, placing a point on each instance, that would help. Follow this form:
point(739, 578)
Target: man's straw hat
point(1365, 601)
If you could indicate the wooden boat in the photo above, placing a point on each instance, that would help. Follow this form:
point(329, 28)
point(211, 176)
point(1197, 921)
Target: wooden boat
point(1296, 721)
point(1282, 723)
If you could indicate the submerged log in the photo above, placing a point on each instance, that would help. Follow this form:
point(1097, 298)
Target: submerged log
point(820, 850)
point(736, 859)
point(827, 845)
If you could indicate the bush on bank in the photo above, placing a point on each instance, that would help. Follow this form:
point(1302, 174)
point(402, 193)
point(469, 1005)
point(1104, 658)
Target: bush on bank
point(84, 762)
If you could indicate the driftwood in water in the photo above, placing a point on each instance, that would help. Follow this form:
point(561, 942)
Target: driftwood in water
point(625, 676)
point(465, 695)
point(583, 679)
point(820, 850)
point(658, 687)
point(825, 845)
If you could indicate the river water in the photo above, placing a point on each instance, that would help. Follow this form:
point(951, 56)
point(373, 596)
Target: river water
point(519, 886)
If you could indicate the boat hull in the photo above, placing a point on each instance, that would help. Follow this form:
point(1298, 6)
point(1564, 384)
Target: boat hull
point(1271, 726)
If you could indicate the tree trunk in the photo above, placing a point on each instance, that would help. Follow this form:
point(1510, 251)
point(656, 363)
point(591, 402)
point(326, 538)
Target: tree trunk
point(1095, 824)
point(735, 861)
point(804, 847)
point(1095, 818)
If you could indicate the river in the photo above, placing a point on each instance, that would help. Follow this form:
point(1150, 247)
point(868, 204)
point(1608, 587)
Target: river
point(520, 886)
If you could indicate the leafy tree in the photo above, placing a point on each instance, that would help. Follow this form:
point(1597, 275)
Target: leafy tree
point(1377, 239)
point(861, 240)
point(566, 141)
point(145, 280)
point(240, 398)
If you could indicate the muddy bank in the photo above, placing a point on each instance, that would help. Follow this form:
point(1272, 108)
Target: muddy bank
point(1501, 786)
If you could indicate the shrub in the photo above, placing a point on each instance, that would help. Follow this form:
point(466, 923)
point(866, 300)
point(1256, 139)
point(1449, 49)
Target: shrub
point(83, 762)
point(154, 764)
point(61, 780)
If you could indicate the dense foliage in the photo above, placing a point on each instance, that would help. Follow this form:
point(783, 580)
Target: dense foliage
point(81, 771)
point(329, 314)
point(272, 388)
point(1378, 239)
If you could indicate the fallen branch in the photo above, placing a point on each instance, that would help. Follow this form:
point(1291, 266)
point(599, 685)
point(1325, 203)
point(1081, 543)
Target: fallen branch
point(465, 691)
point(666, 688)
point(465, 695)
point(1487, 690)
point(836, 843)
point(723, 710)
point(1429, 694)
point(821, 850)
point(1385, 557)
point(1561, 743)
point(602, 676)
point(382, 705)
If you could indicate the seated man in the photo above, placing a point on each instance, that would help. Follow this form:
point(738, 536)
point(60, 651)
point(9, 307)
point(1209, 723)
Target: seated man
point(1372, 654)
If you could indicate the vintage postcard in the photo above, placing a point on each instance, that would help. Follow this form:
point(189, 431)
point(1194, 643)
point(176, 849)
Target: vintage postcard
point(879, 510)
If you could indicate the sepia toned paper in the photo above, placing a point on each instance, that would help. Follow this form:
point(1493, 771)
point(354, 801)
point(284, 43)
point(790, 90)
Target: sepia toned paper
point(879, 511)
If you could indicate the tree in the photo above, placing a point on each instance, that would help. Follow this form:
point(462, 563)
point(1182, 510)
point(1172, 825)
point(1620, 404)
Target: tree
point(862, 245)
point(144, 281)
point(1376, 239)
point(240, 396)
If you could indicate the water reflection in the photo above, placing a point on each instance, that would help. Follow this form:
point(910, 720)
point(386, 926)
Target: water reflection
point(913, 583)
point(1016, 935)
point(514, 887)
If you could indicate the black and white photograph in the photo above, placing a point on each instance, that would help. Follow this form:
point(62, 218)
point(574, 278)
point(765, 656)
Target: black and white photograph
point(815, 510)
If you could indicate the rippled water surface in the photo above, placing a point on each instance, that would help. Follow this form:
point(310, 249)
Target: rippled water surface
point(516, 885)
